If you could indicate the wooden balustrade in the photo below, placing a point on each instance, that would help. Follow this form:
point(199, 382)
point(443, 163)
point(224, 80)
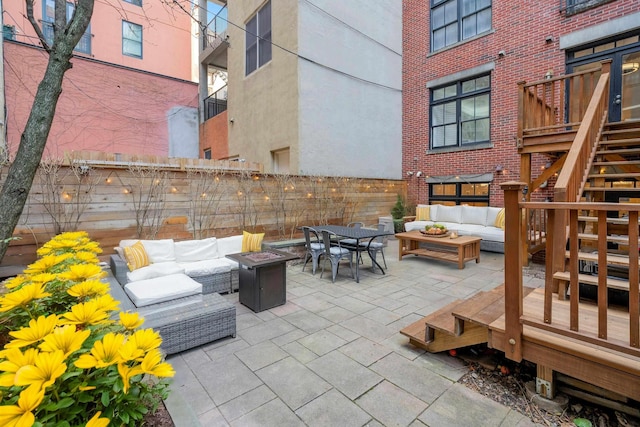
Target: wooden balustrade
point(615, 329)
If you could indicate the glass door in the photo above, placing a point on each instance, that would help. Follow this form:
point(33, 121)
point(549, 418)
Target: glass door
point(624, 83)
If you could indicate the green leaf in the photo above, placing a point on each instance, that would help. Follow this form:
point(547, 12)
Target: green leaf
point(105, 398)
point(66, 402)
point(582, 422)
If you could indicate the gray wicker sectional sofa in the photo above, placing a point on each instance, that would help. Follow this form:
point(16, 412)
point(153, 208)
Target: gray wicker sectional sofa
point(187, 311)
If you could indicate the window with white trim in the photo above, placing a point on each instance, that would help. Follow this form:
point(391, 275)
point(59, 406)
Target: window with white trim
point(460, 113)
point(456, 20)
point(49, 17)
point(258, 39)
point(131, 39)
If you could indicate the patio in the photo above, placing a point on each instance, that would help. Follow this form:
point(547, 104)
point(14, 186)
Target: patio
point(333, 354)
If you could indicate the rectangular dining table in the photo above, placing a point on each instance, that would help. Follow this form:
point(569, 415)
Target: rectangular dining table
point(360, 234)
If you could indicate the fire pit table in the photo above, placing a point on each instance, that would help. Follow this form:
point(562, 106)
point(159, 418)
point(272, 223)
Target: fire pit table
point(263, 278)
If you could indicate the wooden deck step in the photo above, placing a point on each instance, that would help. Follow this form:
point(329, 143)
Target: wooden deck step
point(589, 279)
point(618, 163)
point(619, 142)
point(481, 303)
point(618, 151)
point(611, 258)
point(610, 189)
point(617, 221)
point(621, 240)
point(614, 175)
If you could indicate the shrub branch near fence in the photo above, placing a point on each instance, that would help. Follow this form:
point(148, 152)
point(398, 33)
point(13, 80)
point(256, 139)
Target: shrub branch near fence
point(115, 197)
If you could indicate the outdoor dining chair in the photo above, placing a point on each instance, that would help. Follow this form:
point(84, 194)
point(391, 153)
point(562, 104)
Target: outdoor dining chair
point(335, 254)
point(377, 245)
point(315, 248)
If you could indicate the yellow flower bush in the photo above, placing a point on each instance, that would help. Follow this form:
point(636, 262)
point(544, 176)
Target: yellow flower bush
point(70, 359)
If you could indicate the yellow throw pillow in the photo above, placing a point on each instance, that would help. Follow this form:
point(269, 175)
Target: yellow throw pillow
point(252, 242)
point(136, 256)
point(423, 213)
point(499, 222)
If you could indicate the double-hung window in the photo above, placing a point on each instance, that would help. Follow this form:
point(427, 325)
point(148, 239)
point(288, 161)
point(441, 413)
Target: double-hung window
point(131, 39)
point(460, 113)
point(49, 17)
point(258, 39)
point(456, 20)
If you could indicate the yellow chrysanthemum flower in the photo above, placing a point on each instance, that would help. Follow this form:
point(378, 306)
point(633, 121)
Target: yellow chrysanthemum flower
point(97, 421)
point(86, 313)
point(37, 330)
point(21, 415)
point(104, 352)
point(86, 257)
point(82, 272)
point(46, 264)
point(106, 303)
point(90, 246)
point(73, 235)
point(14, 360)
point(65, 339)
point(152, 364)
point(47, 368)
point(42, 278)
point(146, 339)
point(14, 282)
point(130, 351)
point(22, 296)
point(88, 289)
point(126, 373)
point(131, 321)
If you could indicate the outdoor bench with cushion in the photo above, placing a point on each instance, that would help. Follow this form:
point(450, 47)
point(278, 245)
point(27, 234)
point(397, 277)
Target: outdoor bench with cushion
point(485, 222)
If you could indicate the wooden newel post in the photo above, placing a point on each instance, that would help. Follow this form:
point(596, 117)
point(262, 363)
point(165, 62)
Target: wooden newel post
point(513, 194)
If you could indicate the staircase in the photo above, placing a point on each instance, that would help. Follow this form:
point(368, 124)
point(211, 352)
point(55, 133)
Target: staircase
point(614, 177)
point(459, 324)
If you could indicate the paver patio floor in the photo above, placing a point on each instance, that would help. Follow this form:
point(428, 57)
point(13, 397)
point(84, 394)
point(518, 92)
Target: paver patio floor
point(333, 354)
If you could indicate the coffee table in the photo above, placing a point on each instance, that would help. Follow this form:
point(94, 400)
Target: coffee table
point(460, 249)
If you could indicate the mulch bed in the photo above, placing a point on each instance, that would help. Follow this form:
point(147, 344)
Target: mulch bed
point(503, 381)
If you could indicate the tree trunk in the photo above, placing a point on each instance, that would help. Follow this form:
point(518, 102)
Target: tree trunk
point(34, 138)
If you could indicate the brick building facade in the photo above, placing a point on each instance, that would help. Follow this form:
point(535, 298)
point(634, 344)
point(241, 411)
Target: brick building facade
point(462, 61)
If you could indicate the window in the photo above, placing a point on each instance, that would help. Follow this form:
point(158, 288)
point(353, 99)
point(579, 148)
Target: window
point(135, 2)
point(455, 20)
point(207, 154)
point(280, 161)
point(576, 6)
point(472, 194)
point(9, 32)
point(131, 39)
point(84, 45)
point(460, 113)
point(258, 39)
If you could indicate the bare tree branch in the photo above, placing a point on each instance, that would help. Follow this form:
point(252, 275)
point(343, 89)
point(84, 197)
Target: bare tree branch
point(36, 27)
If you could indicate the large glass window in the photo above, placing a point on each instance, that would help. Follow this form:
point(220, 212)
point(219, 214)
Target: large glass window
point(136, 2)
point(460, 113)
point(455, 20)
point(84, 45)
point(131, 39)
point(258, 39)
point(472, 194)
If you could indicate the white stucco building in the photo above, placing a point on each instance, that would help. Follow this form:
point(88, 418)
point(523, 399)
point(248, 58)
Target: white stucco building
point(315, 86)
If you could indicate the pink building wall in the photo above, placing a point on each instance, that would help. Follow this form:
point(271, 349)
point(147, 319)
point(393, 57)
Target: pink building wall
point(102, 107)
point(166, 34)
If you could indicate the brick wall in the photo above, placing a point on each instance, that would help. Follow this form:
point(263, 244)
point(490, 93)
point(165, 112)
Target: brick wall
point(520, 29)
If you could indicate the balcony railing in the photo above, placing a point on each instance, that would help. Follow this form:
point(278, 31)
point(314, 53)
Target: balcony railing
point(83, 46)
point(215, 28)
point(215, 103)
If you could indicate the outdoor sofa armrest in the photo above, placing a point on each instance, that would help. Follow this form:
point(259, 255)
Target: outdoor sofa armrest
point(119, 269)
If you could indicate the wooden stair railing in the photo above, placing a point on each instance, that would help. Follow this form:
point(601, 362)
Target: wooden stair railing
point(602, 326)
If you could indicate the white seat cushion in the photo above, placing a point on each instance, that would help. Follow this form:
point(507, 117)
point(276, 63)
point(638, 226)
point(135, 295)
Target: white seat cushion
point(196, 250)
point(474, 215)
point(205, 267)
point(154, 270)
point(160, 289)
point(492, 214)
point(447, 214)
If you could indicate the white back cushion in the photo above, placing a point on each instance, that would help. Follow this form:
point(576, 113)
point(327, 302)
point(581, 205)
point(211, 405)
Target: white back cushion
point(160, 250)
point(196, 250)
point(448, 214)
point(229, 245)
point(492, 213)
point(474, 215)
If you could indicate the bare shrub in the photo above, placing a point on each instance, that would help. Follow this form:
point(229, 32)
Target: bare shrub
point(147, 190)
point(206, 188)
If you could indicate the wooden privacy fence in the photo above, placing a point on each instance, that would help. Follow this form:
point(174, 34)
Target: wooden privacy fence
point(121, 199)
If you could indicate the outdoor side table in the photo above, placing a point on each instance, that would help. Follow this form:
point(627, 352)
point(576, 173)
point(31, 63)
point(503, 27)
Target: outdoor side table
point(262, 278)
